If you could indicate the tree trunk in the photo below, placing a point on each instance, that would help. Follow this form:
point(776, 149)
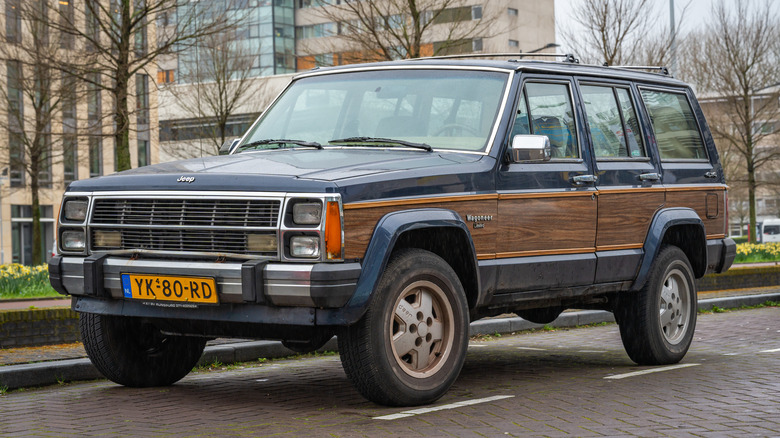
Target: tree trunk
point(35, 168)
point(751, 174)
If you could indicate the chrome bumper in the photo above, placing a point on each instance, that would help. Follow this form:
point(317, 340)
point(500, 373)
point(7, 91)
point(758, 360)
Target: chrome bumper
point(323, 285)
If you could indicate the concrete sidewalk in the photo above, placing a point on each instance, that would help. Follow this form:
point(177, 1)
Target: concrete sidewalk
point(62, 363)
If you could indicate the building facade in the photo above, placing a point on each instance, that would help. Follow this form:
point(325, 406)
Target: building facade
point(78, 132)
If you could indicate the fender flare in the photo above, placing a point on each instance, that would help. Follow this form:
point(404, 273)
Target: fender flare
point(386, 233)
point(662, 221)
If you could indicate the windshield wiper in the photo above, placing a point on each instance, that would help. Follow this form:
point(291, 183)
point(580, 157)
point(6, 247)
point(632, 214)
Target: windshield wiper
point(280, 141)
point(382, 141)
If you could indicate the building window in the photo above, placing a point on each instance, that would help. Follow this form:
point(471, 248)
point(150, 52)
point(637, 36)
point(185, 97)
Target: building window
point(16, 155)
point(21, 232)
point(95, 156)
point(15, 96)
point(142, 99)
point(514, 44)
point(70, 158)
point(13, 21)
point(165, 76)
point(140, 35)
point(512, 12)
point(476, 45)
point(66, 22)
point(143, 153)
point(476, 12)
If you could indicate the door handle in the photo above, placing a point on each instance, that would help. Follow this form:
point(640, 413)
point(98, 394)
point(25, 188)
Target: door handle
point(650, 176)
point(583, 179)
point(711, 174)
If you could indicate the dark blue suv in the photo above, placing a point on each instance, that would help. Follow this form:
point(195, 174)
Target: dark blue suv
point(391, 204)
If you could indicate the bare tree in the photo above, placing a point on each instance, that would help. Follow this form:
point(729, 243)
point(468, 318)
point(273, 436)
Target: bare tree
point(620, 32)
point(741, 73)
point(399, 29)
point(116, 35)
point(219, 87)
point(30, 103)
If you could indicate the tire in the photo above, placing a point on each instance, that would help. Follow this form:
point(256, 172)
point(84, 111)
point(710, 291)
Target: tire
point(136, 354)
point(657, 322)
point(409, 347)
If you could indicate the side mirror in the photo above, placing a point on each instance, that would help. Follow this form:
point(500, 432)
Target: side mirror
point(526, 148)
point(227, 146)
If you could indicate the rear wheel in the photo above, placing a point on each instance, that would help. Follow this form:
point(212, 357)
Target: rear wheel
point(134, 353)
point(410, 345)
point(657, 322)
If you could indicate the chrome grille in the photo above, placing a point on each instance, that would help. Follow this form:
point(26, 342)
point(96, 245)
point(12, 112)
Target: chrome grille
point(187, 212)
point(184, 225)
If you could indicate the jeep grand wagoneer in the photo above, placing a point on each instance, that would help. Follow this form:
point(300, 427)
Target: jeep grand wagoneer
point(393, 203)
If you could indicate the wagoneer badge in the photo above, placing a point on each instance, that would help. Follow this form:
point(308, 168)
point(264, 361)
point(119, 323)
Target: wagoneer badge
point(187, 179)
point(478, 218)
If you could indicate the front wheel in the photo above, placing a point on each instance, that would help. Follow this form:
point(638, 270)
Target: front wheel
point(134, 353)
point(657, 322)
point(410, 346)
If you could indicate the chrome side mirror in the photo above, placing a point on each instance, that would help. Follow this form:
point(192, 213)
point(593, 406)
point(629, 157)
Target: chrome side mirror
point(227, 146)
point(526, 148)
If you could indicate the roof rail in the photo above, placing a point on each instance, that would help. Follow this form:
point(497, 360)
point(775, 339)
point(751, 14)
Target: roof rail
point(568, 57)
point(660, 69)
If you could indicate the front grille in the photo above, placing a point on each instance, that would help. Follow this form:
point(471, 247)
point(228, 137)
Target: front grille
point(184, 225)
point(187, 212)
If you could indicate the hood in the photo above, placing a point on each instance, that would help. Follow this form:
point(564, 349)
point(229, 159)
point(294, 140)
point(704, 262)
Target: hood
point(316, 170)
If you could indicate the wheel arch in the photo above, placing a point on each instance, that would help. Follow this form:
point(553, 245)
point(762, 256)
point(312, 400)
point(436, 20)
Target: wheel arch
point(431, 229)
point(681, 227)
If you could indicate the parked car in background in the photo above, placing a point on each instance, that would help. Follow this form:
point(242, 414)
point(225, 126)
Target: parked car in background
point(770, 231)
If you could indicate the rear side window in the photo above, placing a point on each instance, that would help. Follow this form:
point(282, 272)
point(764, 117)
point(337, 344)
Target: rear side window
point(674, 125)
point(546, 109)
point(614, 130)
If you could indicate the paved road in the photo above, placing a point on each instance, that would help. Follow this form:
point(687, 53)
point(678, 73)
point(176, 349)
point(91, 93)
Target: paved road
point(532, 384)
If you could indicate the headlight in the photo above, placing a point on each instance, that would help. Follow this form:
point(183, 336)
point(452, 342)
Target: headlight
point(74, 240)
point(307, 213)
point(305, 246)
point(75, 210)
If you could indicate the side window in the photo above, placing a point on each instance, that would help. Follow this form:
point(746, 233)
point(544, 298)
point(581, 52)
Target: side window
point(614, 130)
point(546, 109)
point(674, 125)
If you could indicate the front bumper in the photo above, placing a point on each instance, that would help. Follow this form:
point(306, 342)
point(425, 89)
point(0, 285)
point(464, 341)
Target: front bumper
point(317, 285)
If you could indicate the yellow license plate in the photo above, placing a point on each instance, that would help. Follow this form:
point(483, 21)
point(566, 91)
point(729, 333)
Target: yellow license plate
point(201, 290)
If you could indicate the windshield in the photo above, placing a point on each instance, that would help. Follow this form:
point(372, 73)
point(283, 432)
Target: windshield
point(446, 109)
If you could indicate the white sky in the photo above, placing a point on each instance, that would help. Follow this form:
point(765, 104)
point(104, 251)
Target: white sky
point(697, 14)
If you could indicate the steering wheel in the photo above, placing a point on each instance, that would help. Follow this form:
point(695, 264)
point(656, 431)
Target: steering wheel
point(456, 127)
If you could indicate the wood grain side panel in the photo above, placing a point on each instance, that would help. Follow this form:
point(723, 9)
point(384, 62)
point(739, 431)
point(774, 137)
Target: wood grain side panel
point(558, 223)
point(623, 218)
point(708, 204)
point(359, 223)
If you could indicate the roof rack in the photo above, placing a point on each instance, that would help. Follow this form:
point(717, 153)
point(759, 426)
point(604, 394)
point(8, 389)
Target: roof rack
point(568, 57)
point(653, 68)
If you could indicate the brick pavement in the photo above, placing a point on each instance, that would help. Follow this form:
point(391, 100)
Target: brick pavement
point(556, 380)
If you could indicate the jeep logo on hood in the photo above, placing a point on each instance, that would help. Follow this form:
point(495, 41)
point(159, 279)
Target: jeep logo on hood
point(186, 179)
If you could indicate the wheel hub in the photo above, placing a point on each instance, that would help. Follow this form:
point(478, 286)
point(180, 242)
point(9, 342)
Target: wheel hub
point(674, 306)
point(421, 329)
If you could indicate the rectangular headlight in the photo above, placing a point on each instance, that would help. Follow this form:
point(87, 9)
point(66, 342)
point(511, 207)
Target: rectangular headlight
point(74, 240)
point(307, 213)
point(75, 210)
point(305, 246)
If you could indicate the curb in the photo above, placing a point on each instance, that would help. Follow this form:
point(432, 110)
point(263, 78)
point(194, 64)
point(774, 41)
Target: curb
point(48, 373)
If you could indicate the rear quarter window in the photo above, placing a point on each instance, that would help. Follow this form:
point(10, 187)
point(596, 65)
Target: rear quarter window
point(674, 125)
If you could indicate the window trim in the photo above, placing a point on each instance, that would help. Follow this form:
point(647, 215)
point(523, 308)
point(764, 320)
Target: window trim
point(695, 118)
point(642, 133)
